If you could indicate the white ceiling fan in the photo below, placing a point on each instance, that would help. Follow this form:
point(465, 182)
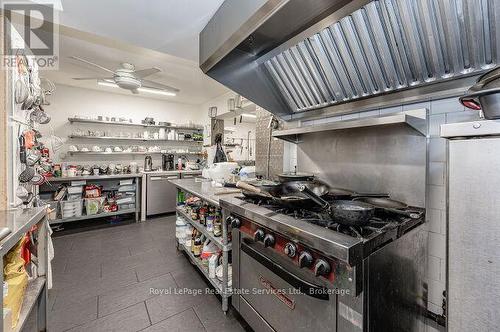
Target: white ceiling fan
point(126, 77)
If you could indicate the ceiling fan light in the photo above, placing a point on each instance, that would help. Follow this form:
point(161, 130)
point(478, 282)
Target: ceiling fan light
point(158, 92)
point(108, 84)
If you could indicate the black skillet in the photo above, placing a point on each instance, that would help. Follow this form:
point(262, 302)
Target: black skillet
point(389, 205)
point(340, 193)
point(349, 213)
point(285, 194)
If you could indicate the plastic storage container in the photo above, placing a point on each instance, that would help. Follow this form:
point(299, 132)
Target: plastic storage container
point(180, 229)
point(130, 187)
point(73, 197)
point(75, 190)
point(130, 206)
point(71, 209)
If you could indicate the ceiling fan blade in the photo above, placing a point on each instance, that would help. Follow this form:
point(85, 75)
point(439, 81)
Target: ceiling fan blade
point(135, 91)
point(92, 78)
point(155, 85)
point(92, 64)
point(146, 72)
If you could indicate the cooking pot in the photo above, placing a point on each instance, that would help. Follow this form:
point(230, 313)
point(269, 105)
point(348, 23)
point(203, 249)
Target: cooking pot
point(485, 95)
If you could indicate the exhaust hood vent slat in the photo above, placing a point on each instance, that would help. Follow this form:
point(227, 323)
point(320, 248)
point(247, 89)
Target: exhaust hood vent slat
point(292, 56)
point(388, 45)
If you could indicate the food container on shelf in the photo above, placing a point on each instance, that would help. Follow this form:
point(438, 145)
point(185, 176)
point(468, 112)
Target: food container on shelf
point(125, 188)
point(188, 235)
point(180, 230)
point(70, 209)
point(75, 189)
point(94, 205)
point(125, 200)
point(73, 197)
point(127, 206)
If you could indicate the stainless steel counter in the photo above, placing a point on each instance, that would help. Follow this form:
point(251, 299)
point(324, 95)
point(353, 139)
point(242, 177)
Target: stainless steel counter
point(34, 301)
point(204, 190)
point(19, 222)
point(183, 172)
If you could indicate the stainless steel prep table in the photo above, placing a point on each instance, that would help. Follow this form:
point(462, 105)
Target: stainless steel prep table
point(35, 297)
point(211, 195)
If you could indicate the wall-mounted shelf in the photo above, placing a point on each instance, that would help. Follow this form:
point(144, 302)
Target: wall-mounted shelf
point(92, 153)
point(414, 119)
point(133, 139)
point(122, 123)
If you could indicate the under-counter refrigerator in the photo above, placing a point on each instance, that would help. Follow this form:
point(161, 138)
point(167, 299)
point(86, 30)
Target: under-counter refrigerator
point(473, 225)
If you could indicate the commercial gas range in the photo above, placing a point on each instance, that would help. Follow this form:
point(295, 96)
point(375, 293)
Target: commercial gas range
point(293, 270)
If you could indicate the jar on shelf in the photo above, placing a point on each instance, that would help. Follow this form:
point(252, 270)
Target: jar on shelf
point(180, 230)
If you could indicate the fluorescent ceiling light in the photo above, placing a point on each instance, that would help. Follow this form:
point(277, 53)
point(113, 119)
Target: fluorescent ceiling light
point(230, 128)
point(247, 115)
point(147, 90)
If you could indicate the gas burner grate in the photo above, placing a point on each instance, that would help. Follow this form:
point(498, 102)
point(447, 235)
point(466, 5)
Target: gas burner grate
point(380, 223)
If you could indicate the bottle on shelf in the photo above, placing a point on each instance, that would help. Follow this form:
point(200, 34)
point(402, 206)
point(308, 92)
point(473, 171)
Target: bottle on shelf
point(197, 246)
point(210, 219)
point(194, 234)
point(217, 228)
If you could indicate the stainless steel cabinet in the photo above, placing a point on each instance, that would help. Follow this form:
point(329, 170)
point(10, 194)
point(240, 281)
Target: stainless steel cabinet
point(473, 228)
point(161, 194)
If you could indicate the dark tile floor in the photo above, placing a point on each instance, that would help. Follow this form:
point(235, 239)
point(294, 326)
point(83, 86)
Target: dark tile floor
point(102, 281)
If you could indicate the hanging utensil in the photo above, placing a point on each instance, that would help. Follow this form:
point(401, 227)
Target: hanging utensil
point(24, 195)
point(20, 88)
point(26, 175)
point(22, 150)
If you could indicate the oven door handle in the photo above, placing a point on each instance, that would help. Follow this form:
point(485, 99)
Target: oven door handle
point(297, 282)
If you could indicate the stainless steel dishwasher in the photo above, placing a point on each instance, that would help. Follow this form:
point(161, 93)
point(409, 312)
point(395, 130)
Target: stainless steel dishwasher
point(161, 194)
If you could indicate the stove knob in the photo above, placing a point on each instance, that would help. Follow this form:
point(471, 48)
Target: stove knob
point(305, 259)
point(259, 235)
point(269, 240)
point(290, 250)
point(322, 268)
point(235, 222)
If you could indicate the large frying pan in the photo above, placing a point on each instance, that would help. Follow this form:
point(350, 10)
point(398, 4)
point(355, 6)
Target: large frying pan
point(349, 213)
point(341, 193)
point(285, 194)
point(389, 205)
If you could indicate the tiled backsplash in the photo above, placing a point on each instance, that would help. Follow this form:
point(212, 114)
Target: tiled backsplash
point(440, 112)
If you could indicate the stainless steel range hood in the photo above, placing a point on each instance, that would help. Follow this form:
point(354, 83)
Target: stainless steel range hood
point(296, 57)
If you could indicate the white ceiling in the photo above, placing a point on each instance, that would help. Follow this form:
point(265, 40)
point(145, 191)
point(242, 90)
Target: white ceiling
point(196, 87)
point(169, 26)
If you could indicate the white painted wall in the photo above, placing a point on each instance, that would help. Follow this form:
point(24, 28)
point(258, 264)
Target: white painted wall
point(70, 101)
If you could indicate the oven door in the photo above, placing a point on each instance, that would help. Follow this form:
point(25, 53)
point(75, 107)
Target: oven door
point(270, 289)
